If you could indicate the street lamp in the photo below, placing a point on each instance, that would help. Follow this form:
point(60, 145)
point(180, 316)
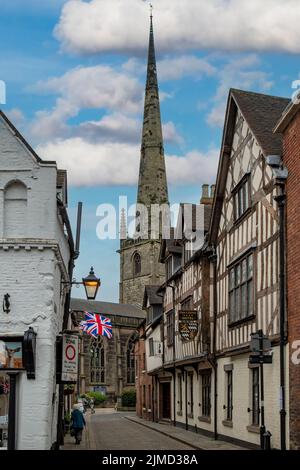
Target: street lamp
point(91, 284)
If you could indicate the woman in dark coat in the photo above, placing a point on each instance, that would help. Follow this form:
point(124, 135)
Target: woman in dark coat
point(77, 423)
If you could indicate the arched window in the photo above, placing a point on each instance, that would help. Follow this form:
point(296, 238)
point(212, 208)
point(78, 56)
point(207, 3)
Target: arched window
point(137, 264)
point(130, 362)
point(97, 360)
point(15, 210)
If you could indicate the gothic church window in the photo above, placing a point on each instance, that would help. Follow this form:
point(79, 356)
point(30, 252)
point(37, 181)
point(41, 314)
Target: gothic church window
point(15, 213)
point(130, 357)
point(137, 264)
point(97, 360)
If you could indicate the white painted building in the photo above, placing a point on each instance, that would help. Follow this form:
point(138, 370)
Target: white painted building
point(35, 247)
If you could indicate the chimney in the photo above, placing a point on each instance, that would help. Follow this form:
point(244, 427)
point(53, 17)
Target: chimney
point(207, 198)
point(212, 190)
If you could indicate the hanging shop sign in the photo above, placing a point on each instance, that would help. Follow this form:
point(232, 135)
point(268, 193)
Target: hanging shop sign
point(11, 353)
point(69, 368)
point(188, 324)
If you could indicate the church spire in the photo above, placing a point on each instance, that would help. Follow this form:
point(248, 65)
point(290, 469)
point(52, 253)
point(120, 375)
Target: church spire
point(152, 188)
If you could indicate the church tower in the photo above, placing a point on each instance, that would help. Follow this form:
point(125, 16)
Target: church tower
point(139, 258)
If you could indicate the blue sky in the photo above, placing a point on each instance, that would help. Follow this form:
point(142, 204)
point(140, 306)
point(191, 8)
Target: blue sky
point(75, 75)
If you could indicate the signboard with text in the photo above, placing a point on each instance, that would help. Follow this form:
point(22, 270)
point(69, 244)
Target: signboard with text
point(188, 324)
point(69, 358)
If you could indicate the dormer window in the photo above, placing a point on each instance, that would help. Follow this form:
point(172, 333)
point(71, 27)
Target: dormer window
point(137, 264)
point(241, 197)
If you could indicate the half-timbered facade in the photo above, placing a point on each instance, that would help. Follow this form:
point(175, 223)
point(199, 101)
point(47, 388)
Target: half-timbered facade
point(245, 233)
point(187, 338)
point(230, 285)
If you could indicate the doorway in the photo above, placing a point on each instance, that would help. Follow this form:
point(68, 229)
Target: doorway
point(4, 409)
point(166, 400)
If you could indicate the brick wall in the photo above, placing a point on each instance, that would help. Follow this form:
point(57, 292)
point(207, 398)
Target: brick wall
point(291, 152)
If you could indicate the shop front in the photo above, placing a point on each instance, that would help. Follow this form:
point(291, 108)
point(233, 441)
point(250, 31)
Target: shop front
point(17, 356)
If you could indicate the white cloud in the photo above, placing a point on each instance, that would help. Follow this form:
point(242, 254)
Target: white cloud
point(171, 134)
point(91, 164)
point(121, 26)
point(175, 68)
point(237, 73)
point(193, 167)
point(98, 87)
point(16, 116)
point(113, 127)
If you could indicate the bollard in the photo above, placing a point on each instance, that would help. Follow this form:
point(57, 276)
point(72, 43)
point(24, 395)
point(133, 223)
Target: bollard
point(267, 440)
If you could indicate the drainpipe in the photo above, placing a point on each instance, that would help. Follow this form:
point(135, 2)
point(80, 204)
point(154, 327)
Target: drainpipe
point(281, 201)
point(74, 253)
point(213, 259)
point(174, 358)
point(186, 407)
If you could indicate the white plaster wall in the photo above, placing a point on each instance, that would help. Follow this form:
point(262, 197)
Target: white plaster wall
point(153, 362)
point(31, 270)
point(29, 278)
point(194, 421)
point(242, 398)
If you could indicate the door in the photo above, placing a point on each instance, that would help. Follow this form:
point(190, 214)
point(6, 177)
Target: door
point(4, 409)
point(166, 400)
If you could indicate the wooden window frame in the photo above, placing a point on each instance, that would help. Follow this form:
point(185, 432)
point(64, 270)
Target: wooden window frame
point(241, 195)
point(206, 394)
point(241, 287)
point(179, 402)
point(255, 396)
point(169, 267)
point(151, 347)
point(187, 304)
point(191, 394)
point(170, 317)
point(229, 398)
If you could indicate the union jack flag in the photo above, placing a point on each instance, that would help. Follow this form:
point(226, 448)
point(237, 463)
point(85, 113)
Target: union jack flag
point(95, 324)
point(6, 387)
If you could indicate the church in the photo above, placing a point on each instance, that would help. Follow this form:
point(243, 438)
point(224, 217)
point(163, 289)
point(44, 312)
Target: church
point(108, 365)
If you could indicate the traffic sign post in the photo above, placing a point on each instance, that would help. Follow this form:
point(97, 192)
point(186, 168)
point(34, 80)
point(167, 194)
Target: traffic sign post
point(261, 354)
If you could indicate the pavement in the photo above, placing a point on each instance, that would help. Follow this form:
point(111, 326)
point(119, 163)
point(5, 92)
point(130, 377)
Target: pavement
point(127, 431)
point(194, 440)
point(69, 442)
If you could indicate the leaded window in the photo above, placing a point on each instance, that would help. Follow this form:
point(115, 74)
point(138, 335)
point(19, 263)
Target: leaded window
point(206, 390)
point(241, 198)
point(137, 264)
point(241, 289)
point(97, 360)
point(170, 328)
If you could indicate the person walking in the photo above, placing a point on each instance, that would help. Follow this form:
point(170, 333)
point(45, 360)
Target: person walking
point(77, 423)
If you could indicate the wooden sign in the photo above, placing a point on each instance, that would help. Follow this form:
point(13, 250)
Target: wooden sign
point(188, 324)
